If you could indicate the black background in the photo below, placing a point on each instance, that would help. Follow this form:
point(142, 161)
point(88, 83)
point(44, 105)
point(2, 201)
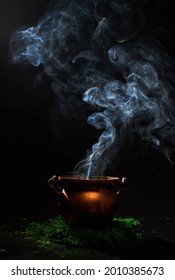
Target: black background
point(31, 153)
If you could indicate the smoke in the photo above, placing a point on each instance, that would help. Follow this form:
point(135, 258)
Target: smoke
point(96, 52)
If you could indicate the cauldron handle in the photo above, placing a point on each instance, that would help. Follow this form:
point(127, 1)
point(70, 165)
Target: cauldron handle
point(55, 184)
point(121, 185)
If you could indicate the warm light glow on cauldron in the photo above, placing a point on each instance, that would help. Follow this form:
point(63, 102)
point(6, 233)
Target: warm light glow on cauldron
point(91, 201)
point(91, 196)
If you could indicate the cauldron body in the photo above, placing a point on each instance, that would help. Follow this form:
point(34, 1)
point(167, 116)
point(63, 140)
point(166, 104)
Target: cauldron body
point(87, 202)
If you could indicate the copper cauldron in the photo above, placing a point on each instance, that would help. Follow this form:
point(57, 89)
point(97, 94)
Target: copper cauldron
point(88, 202)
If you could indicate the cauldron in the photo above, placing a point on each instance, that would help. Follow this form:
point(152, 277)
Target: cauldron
point(88, 202)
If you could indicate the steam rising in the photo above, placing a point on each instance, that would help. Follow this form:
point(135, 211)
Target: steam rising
point(97, 52)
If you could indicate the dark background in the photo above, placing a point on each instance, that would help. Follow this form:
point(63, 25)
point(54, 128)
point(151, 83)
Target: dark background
point(32, 150)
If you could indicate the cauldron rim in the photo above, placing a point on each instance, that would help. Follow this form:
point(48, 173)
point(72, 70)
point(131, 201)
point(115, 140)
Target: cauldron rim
point(91, 180)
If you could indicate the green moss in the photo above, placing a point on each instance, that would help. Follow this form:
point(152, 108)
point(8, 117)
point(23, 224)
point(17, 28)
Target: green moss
point(123, 232)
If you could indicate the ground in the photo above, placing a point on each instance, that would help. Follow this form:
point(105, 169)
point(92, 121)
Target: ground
point(158, 242)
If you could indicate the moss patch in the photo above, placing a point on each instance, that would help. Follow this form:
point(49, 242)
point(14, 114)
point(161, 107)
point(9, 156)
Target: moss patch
point(50, 234)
